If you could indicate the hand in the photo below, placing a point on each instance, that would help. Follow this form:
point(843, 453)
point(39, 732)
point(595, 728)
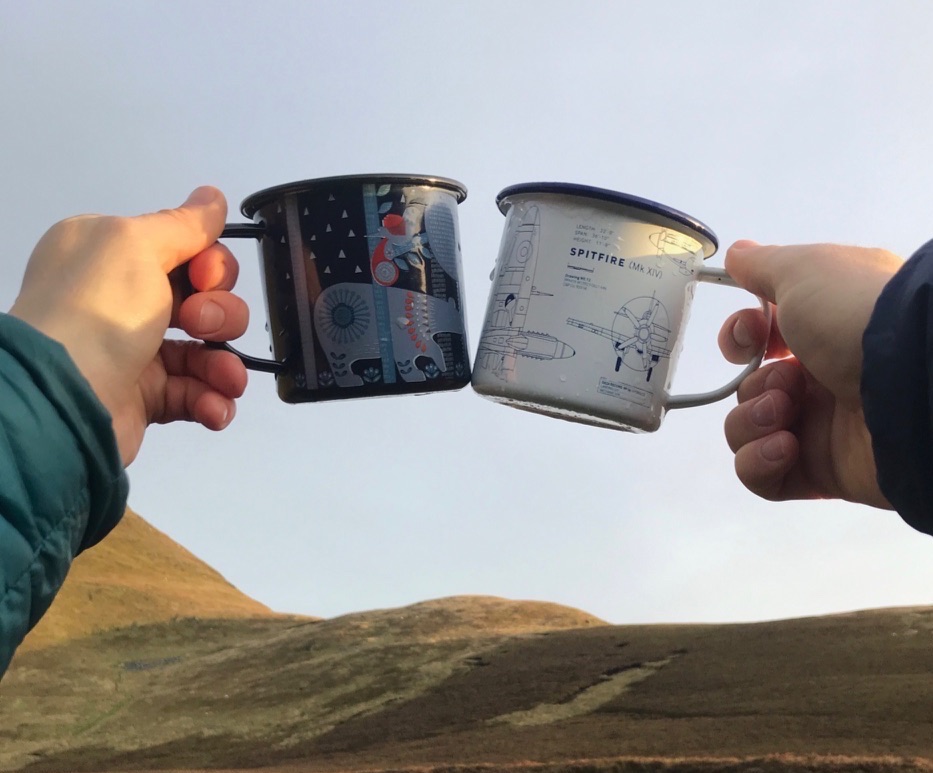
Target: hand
point(798, 431)
point(101, 286)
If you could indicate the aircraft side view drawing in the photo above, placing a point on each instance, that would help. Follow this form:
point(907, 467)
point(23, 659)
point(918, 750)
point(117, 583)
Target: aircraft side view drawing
point(670, 245)
point(505, 337)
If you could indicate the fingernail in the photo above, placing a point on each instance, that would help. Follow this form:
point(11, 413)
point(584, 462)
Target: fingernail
point(201, 196)
point(773, 449)
point(741, 335)
point(744, 244)
point(763, 412)
point(212, 317)
point(776, 380)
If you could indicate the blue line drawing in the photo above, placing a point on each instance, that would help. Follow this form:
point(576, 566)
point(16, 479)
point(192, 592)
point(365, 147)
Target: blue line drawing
point(504, 336)
point(640, 334)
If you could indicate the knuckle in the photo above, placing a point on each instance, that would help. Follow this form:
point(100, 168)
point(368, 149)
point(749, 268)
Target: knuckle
point(119, 229)
point(90, 229)
point(765, 487)
point(69, 228)
point(736, 429)
point(888, 259)
point(181, 216)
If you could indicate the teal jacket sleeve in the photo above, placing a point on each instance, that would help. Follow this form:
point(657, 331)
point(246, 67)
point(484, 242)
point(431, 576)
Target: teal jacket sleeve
point(62, 482)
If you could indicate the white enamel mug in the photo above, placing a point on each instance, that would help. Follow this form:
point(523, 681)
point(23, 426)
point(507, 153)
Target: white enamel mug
point(590, 296)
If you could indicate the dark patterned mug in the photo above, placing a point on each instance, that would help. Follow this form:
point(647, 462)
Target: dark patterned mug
point(363, 285)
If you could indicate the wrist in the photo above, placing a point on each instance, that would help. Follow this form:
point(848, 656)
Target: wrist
point(85, 343)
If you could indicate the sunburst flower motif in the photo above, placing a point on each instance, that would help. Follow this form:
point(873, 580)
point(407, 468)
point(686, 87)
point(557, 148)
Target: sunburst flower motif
point(346, 317)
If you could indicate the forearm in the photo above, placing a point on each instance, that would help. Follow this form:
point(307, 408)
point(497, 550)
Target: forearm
point(62, 484)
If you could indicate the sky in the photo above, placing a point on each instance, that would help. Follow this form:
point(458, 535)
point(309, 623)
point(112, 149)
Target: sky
point(791, 122)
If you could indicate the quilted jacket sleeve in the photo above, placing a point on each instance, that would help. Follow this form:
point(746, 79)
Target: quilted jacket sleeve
point(62, 483)
point(897, 389)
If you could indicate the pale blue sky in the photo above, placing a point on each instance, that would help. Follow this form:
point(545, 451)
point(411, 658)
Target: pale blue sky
point(782, 122)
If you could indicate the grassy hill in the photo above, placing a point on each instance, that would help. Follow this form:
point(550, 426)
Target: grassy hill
point(474, 685)
point(137, 575)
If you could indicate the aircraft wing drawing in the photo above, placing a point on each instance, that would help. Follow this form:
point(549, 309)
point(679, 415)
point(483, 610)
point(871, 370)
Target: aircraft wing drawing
point(589, 327)
point(505, 337)
point(515, 284)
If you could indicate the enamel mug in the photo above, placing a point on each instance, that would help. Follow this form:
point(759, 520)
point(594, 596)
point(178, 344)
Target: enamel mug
point(363, 285)
point(589, 300)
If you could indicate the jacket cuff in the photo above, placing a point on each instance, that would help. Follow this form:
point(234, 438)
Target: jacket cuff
point(897, 373)
point(55, 375)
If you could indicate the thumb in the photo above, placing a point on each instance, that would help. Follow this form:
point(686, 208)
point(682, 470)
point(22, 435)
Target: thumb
point(183, 232)
point(756, 268)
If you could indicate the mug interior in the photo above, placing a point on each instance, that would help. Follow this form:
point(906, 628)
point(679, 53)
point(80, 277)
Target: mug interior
point(635, 207)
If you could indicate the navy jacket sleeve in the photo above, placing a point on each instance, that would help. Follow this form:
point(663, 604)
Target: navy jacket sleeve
point(62, 483)
point(897, 389)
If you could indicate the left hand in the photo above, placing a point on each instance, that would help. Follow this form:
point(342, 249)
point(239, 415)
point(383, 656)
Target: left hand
point(101, 286)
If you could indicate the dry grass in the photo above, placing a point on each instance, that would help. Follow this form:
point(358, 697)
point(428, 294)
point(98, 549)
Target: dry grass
point(322, 697)
point(137, 575)
point(463, 685)
point(775, 763)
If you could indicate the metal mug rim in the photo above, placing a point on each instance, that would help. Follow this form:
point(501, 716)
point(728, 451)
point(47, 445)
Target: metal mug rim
point(252, 203)
point(705, 235)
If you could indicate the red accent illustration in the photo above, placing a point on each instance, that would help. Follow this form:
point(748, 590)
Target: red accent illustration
point(413, 328)
point(385, 272)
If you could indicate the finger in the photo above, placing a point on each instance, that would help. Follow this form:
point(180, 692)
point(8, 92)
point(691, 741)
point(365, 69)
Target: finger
point(785, 375)
point(217, 369)
point(767, 271)
point(188, 399)
point(766, 465)
point(764, 415)
point(743, 335)
point(214, 268)
point(187, 230)
point(215, 315)
point(761, 270)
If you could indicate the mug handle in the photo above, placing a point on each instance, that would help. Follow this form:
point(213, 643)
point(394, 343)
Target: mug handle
point(247, 231)
point(719, 276)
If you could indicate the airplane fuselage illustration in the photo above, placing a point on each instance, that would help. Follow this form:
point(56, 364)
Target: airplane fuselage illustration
point(505, 337)
point(673, 246)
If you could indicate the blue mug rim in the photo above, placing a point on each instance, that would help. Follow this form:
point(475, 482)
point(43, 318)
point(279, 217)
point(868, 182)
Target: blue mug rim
point(706, 236)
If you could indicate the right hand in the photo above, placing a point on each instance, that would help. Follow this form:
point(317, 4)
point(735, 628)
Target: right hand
point(798, 431)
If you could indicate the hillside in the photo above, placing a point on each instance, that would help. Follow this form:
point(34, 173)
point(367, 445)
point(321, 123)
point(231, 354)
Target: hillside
point(395, 691)
point(182, 672)
point(137, 575)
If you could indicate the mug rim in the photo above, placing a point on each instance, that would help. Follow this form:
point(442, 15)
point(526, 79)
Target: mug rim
point(255, 201)
point(706, 236)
